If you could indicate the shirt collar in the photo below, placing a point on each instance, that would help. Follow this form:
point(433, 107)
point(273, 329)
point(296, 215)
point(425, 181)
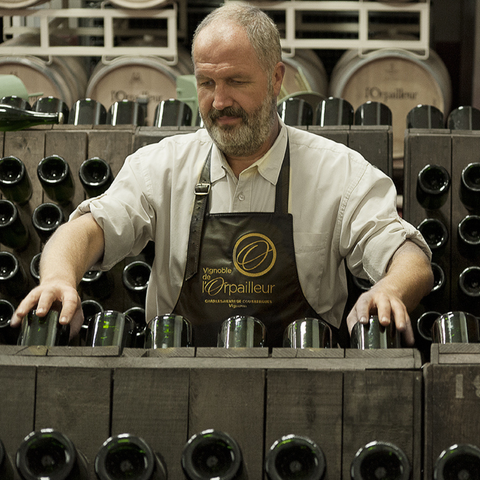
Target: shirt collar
point(268, 166)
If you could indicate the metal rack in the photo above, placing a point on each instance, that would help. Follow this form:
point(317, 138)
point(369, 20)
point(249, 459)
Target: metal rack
point(304, 24)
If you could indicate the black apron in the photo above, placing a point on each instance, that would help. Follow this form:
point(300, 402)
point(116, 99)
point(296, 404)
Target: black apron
point(241, 264)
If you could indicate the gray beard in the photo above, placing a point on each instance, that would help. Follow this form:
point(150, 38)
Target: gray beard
point(247, 138)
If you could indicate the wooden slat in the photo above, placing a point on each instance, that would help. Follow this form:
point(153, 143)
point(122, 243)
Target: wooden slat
point(386, 406)
point(307, 403)
point(17, 412)
point(75, 401)
point(153, 404)
point(453, 409)
point(231, 400)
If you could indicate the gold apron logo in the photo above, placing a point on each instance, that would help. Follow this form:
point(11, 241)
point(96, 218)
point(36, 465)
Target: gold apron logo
point(254, 255)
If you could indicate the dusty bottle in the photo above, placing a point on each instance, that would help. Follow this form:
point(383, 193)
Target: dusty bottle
point(48, 454)
point(14, 180)
point(13, 118)
point(95, 176)
point(294, 456)
point(46, 218)
point(127, 456)
point(433, 184)
point(212, 454)
point(135, 278)
point(56, 179)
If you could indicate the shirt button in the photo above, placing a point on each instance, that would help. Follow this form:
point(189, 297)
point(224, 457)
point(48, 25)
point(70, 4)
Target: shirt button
point(241, 197)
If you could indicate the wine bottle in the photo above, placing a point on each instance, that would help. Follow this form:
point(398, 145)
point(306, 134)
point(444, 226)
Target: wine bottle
point(172, 113)
point(456, 327)
point(470, 186)
point(52, 105)
point(127, 456)
point(425, 116)
point(425, 324)
point(35, 267)
point(434, 232)
point(126, 112)
point(242, 331)
point(433, 184)
point(14, 180)
point(333, 112)
point(295, 111)
point(13, 118)
point(56, 179)
point(90, 309)
point(469, 281)
point(294, 456)
point(7, 470)
point(168, 331)
point(111, 329)
point(378, 460)
point(97, 284)
point(13, 233)
point(50, 454)
point(212, 454)
point(46, 218)
point(464, 118)
point(8, 335)
point(46, 330)
point(457, 462)
point(13, 280)
point(469, 231)
point(87, 112)
point(438, 278)
point(95, 175)
point(135, 278)
point(308, 333)
point(137, 314)
point(373, 113)
point(374, 335)
point(15, 101)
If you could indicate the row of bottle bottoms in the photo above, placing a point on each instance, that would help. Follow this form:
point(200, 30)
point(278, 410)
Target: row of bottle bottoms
point(214, 454)
point(107, 328)
point(294, 110)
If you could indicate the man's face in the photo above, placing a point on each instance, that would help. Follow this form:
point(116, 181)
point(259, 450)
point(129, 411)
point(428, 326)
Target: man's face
point(237, 99)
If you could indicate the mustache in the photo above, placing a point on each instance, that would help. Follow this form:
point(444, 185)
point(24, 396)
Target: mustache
point(215, 114)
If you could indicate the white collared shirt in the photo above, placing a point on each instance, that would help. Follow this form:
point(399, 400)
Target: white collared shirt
point(342, 208)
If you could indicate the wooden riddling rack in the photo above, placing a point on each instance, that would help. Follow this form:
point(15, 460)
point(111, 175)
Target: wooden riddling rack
point(341, 399)
point(453, 150)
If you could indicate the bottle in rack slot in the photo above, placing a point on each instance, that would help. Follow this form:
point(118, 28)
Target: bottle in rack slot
point(95, 176)
point(435, 233)
point(126, 112)
point(46, 218)
point(295, 456)
point(137, 314)
point(470, 186)
point(87, 112)
point(13, 233)
point(15, 183)
point(13, 281)
point(425, 116)
point(460, 461)
point(90, 308)
point(373, 113)
point(469, 282)
point(13, 118)
point(333, 112)
point(135, 278)
point(378, 460)
point(433, 184)
point(127, 456)
point(8, 335)
point(56, 178)
point(16, 101)
point(50, 454)
point(464, 118)
point(52, 105)
point(35, 267)
point(212, 454)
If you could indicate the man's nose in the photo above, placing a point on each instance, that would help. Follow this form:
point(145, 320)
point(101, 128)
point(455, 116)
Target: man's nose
point(222, 97)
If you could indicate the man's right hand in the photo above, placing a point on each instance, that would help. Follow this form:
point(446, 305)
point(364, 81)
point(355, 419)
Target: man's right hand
point(43, 297)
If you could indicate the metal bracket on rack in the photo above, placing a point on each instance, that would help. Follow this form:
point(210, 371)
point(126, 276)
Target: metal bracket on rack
point(354, 26)
point(54, 22)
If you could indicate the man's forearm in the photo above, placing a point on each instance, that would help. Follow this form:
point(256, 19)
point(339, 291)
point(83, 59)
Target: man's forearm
point(71, 251)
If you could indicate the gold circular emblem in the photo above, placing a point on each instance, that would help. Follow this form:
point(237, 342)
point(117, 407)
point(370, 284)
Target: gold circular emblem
point(254, 254)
